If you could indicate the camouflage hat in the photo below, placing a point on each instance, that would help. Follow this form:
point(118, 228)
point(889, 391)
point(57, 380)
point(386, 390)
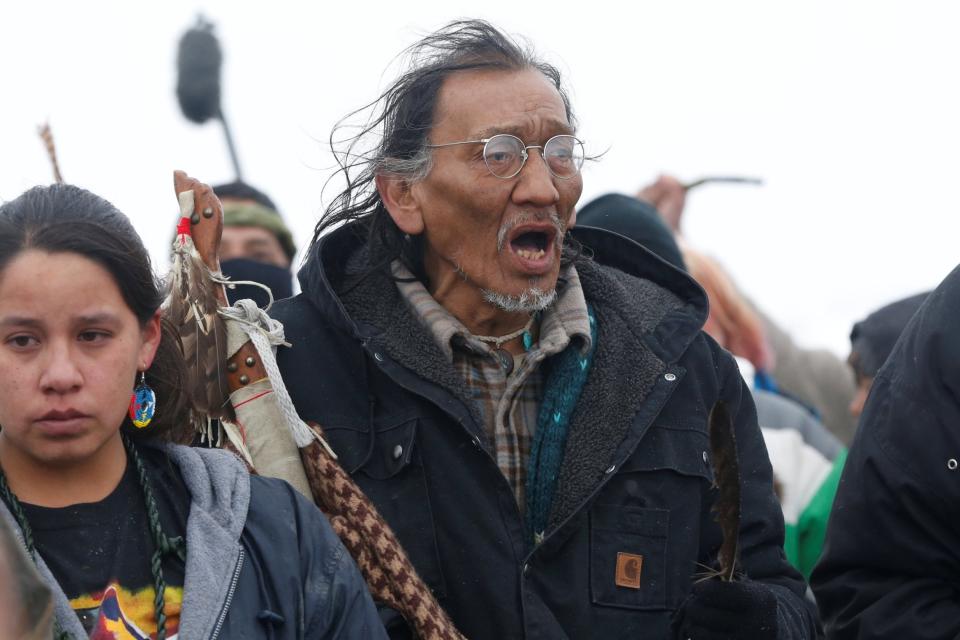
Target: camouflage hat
point(249, 213)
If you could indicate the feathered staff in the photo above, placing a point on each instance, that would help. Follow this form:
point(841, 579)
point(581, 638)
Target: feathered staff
point(47, 136)
point(726, 473)
point(267, 426)
point(194, 298)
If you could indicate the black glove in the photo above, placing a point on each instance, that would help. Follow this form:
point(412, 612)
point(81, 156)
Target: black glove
point(716, 610)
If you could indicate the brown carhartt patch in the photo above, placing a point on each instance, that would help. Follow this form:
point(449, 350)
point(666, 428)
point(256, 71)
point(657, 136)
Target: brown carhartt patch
point(629, 566)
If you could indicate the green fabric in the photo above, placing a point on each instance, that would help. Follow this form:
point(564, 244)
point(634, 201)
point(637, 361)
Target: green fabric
point(791, 544)
point(803, 541)
point(246, 213)
point(566, 373)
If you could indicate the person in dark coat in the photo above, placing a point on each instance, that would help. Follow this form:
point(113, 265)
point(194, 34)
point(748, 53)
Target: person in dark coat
point(255, 245)
point(872, 340)
point(890, 564)
point(531, 421)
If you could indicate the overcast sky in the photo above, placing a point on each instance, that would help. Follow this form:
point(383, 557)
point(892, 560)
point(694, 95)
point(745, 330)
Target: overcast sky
point(847, 110)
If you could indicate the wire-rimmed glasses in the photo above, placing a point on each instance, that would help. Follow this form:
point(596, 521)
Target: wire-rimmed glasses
point(505, 154)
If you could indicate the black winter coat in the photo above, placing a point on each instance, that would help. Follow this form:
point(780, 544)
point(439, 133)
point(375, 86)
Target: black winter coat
point(891, 563)
point(636, 476)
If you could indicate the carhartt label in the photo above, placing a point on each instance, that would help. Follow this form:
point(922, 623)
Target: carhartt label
point(629, 567)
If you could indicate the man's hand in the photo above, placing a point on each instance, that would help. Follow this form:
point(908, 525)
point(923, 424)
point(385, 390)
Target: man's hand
point(669, 196)
point(743, 610)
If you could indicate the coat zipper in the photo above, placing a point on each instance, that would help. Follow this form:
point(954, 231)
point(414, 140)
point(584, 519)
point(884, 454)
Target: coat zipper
point(226, 603)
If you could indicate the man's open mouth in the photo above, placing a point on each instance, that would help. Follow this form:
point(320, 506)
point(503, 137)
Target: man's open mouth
point(532, 242)
point(530, 245)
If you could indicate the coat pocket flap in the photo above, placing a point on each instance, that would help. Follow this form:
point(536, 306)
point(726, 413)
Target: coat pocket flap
point(380, 455)
point(685, 451)
point(645, 522)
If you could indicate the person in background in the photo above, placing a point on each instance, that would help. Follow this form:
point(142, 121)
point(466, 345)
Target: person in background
point(814, 377)
point(890, 564)
point(806, 458)
point(872, 340)
point(256, 244)
point(133, 534)
point(807, 462)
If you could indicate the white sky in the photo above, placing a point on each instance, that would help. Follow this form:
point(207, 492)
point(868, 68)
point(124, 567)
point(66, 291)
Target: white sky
point(848, 110)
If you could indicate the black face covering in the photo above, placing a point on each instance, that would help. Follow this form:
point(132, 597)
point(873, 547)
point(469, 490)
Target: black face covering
point(279, 280)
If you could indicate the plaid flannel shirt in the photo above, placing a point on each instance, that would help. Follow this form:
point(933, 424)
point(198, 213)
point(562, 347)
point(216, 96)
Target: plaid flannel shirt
point(510, 403)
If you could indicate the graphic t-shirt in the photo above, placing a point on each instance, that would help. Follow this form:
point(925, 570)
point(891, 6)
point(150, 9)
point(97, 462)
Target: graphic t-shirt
point(100, 553)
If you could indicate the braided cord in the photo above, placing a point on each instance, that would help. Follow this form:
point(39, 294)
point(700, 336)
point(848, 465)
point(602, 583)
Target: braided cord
point(163, 544)
point(18, 513)
point(11, 499)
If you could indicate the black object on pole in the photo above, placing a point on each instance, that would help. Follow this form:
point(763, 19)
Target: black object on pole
point(199, 59)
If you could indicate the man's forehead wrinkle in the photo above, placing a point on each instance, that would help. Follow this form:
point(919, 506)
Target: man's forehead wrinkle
point(481, 104)
point(553, 125)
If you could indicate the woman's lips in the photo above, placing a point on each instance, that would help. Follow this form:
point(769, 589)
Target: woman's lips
point(60, 424)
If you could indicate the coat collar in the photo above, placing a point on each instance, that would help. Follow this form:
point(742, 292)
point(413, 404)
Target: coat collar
point(334, 260)
point(647, 312)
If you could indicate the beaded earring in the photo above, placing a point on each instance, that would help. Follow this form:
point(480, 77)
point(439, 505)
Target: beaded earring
point(143, 403)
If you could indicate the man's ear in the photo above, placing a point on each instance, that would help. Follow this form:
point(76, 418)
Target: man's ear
point(401, 204)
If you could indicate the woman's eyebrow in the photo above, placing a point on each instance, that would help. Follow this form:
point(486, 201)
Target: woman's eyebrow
point(30, 321)
point(103, 317)
point(19, 321)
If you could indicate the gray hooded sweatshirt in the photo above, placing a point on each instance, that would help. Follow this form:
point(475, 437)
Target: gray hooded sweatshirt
point(262, 562)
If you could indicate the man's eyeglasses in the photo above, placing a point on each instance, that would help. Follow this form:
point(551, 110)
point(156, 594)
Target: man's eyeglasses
point(505, 154)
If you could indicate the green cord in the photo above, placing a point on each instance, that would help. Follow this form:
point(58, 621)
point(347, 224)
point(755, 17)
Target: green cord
point(162, 543)
point(21, 518)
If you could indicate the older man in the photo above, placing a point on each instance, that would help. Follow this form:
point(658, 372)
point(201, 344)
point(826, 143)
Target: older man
point(532, 422)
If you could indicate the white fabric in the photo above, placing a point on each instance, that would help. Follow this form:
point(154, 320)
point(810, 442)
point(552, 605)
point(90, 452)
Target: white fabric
point(800, 468)
point(271, 447)
point(185, 198)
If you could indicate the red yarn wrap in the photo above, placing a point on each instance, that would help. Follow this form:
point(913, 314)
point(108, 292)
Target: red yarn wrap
point(183, 227)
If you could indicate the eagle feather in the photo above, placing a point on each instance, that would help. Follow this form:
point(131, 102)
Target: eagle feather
point(726, 472)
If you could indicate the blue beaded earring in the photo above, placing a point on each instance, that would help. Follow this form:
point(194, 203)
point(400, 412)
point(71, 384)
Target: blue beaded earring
point(143, 403)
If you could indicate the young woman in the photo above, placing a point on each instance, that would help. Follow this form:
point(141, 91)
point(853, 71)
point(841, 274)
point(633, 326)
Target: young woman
point(136, 536)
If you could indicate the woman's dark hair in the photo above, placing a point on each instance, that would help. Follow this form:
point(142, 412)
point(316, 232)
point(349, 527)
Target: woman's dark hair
point(404, 113)
point(62, 218)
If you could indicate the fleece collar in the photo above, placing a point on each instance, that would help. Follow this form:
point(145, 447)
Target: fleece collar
point(647, 313)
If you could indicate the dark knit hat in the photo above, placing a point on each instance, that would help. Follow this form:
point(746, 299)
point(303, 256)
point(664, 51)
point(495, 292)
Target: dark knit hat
point(245, 206)
point(872, 338)
point(634, 219)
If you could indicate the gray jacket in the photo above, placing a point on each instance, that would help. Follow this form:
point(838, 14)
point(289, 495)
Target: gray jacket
point(262, 562)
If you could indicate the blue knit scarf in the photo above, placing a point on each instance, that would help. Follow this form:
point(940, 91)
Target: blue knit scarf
point(566, 374)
